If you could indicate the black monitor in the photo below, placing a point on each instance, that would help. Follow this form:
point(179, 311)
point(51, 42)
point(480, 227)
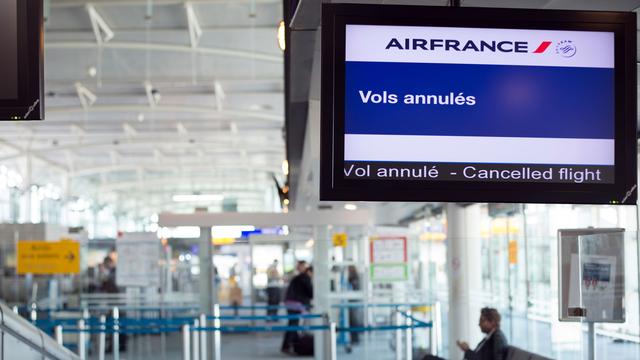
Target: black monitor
point(478, 105)
point(21, 60)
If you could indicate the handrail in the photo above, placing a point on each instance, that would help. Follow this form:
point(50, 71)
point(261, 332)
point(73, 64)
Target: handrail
point(32, 337)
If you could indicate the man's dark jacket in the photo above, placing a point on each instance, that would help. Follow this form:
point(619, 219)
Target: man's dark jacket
point(493, 348)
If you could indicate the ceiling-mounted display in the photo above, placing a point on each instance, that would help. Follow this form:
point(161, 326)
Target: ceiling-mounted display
point(478, 105)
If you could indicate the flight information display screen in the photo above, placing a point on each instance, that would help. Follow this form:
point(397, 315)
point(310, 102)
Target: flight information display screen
point(453, 108)
point(9, 51)
point(480, 105)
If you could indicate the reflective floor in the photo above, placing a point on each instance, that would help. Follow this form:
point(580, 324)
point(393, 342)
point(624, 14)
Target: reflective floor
point(378, 345)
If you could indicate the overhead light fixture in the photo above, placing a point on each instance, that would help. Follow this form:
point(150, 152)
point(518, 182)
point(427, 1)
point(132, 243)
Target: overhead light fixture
point(350, 207)
point(197, 197)
point(285, 167)
point(92, 71)
point(281, 39)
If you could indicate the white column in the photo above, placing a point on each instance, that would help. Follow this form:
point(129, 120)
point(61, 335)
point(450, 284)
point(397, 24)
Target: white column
point(464, 275)
point(321, 287)
point(208, 294)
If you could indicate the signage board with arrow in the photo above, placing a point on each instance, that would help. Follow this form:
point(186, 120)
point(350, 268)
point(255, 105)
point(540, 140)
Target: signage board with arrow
point(48, 257)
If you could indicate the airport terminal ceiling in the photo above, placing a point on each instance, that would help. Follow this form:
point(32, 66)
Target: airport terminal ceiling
point(147, 100)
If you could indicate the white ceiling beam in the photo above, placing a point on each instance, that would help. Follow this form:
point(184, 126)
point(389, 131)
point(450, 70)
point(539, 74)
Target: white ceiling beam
point(75, 3)
point(141, 46)
point(302, 218)
point(198, 134)
point(195, 30)
point(96, 170)
point(174, 180)
point(101, 29)
point(129, 130)
point(179, 81)
point(182, 130)
point(65, 110)
point(114, 156)
point(158, 156)
point(219, 94)
point(153, 96)
point(212, 145)
point(87, 97)
point(76, 130)
point(24, 152)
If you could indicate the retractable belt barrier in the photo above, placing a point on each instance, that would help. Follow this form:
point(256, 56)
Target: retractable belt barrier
point(197, 326)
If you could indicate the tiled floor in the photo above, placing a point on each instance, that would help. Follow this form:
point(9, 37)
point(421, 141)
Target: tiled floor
point(377, 345)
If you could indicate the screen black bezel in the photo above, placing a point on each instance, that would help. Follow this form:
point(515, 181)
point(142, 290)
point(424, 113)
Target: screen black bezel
point(29, 105)
point(333, 186)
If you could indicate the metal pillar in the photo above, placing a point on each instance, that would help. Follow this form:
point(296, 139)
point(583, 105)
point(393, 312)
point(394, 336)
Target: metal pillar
point(208, 293)
point(208, 296)
point(464, 273)
point(321, 287)
point(591, 342)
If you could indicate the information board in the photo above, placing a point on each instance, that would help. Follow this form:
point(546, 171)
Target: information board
point(388, 257)
point(459, 104)
point(138, 259)
point(48, 257)
point(591, 279)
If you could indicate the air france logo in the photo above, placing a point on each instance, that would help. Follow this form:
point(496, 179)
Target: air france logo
point(563, 48)
point(566, 48)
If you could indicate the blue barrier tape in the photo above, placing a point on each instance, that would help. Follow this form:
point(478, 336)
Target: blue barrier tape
point(265, 317)
point(357, 305)
point(412, 318)
point(169, 321)
point(121, 308)
point(110, 322)
point(125, 330)
point(254, 307)
point(244, 329)
point(382, 328)
point(240, 329)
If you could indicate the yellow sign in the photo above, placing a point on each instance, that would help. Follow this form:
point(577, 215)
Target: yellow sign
point(513, 252)
point(48, 257)
point(223, 241)
point(340, 239)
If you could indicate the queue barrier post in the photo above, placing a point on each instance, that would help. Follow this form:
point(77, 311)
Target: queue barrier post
point(436, 328)
point(398, 322)
point(409, 336)
point(186, 344)
point(58, 333)
point(333, 340)
point(196, 340)
point(102, 338)
point(116, 334)
point(216, 333)
point(203, 337)
point(82, 342)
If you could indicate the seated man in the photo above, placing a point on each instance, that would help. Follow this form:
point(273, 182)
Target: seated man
point(494, 344)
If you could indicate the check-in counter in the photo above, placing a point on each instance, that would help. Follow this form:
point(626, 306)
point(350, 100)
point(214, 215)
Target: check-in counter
point(21, 340)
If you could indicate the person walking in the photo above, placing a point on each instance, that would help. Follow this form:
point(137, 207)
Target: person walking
point(274, 281)
point(298, 301)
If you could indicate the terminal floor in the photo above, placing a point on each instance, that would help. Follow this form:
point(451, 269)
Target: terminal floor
point(261, 346)
point(534, 335)
point(266, 347)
